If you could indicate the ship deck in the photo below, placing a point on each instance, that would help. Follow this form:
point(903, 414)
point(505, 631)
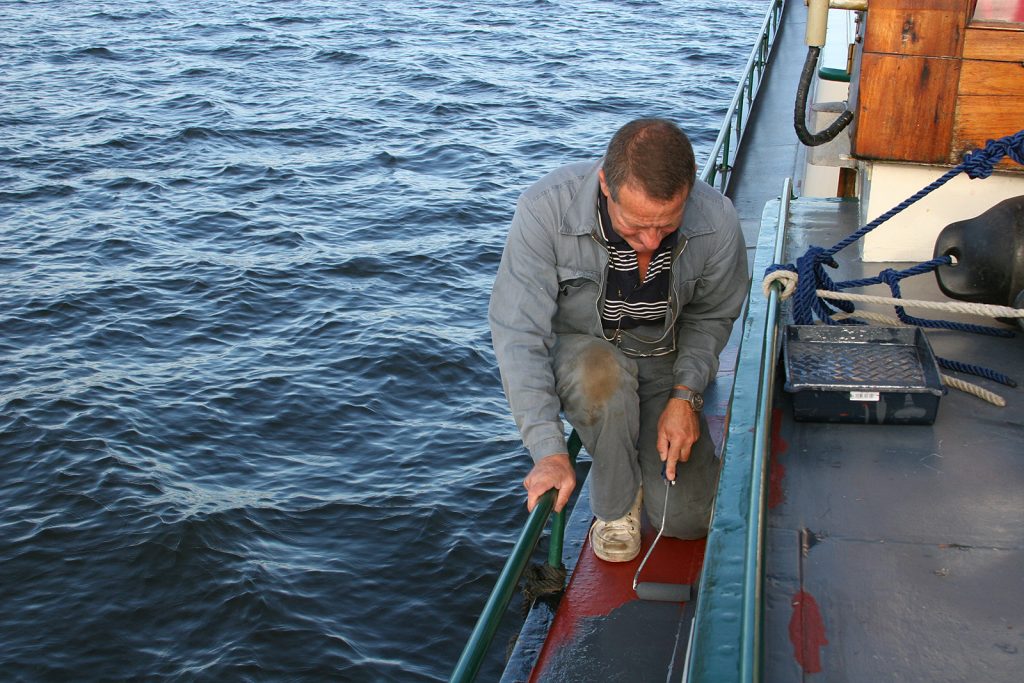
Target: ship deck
point(892, 552)
point(895, 552)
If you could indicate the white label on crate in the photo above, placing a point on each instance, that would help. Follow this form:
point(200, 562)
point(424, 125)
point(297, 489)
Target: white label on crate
point(863, 395)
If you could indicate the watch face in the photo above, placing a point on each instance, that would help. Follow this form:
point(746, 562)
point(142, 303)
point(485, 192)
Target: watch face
point(697, 401)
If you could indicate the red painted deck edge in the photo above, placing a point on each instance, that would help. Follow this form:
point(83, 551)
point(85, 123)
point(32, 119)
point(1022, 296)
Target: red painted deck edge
point(596, 587)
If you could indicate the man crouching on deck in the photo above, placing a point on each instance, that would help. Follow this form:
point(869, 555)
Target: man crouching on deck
point(617, 290)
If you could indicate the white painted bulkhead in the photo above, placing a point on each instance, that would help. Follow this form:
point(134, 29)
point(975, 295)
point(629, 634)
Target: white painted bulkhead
point(910, 235)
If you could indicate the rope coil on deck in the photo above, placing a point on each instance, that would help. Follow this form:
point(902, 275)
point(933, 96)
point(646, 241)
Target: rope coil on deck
point(815, 295)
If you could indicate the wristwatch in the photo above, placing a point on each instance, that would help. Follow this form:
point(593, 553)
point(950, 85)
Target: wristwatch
point(692, 397)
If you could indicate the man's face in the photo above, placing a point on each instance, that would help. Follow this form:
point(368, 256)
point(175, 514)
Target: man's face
point(640, 220)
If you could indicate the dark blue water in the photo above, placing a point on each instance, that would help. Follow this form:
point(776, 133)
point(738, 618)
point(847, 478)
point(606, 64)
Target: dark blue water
point(250, 423)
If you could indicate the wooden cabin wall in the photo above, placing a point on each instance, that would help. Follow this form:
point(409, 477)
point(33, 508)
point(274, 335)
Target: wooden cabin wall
point(990, 98)
point(930, 85)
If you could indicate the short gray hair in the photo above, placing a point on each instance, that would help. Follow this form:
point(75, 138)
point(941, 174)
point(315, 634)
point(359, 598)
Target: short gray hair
point(653, 154)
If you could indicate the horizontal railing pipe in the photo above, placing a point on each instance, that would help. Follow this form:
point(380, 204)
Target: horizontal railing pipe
point(727, 628)
point(718, 168)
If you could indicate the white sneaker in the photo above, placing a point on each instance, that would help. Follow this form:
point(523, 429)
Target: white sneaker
point(619, 539)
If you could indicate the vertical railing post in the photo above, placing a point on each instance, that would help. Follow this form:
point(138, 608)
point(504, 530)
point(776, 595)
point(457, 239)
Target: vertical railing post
point(558, 521)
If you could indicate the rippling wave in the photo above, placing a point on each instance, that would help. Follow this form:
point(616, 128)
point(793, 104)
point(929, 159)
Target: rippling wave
point(251, 424)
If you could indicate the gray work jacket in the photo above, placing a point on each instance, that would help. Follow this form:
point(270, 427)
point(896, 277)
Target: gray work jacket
point(551, 281)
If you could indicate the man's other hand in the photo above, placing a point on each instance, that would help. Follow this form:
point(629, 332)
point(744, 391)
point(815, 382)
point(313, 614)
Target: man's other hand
point(552, 472)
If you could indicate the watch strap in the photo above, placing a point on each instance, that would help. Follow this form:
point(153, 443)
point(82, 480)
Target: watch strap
point(692, 397)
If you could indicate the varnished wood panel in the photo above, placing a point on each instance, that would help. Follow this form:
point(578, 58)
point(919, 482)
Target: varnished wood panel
point(1000, 79)
point(981, 118)
point(930, 28)
point(900, 104)
point(998, 44)
point(990, 104)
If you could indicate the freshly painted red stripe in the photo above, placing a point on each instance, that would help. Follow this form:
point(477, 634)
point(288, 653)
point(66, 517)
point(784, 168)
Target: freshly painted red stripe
point(776, 470)
point(598, 587)
point(807, 632)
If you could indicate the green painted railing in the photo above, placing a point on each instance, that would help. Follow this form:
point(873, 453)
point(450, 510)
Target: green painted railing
point(718, 169)
point(487, 624)
point(726, 642)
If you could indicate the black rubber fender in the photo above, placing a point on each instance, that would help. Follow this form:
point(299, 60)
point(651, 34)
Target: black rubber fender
point(989, 255)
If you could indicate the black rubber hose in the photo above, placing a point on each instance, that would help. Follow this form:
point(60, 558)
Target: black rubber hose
point(799, 113)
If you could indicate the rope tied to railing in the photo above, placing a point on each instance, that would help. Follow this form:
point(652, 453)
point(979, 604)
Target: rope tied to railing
point(814, 293)
point(540, 580)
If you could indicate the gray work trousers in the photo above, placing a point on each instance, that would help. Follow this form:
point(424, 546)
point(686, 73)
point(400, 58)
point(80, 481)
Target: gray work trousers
point(614, 403)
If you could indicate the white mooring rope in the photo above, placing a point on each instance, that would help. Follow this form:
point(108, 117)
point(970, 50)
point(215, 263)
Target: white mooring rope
point(986, 310)
point(788, 280)
point(975, 390)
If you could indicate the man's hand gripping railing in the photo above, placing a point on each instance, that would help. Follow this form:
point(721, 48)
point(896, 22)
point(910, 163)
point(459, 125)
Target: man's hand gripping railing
point(487, 623)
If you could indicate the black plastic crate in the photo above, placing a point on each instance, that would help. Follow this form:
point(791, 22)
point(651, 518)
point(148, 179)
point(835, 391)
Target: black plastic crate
point(873, 375)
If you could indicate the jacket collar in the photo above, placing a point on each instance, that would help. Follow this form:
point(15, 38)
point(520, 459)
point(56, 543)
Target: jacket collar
point(581, 216)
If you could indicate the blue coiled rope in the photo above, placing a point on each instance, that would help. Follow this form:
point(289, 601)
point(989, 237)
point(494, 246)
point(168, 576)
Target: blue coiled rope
point(892, 278)
point(812, 276)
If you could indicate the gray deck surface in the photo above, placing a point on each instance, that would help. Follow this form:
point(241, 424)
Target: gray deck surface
point(770, 151)
point(908, 539)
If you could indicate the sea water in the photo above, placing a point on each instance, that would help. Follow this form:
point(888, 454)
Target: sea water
point(251, 426)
